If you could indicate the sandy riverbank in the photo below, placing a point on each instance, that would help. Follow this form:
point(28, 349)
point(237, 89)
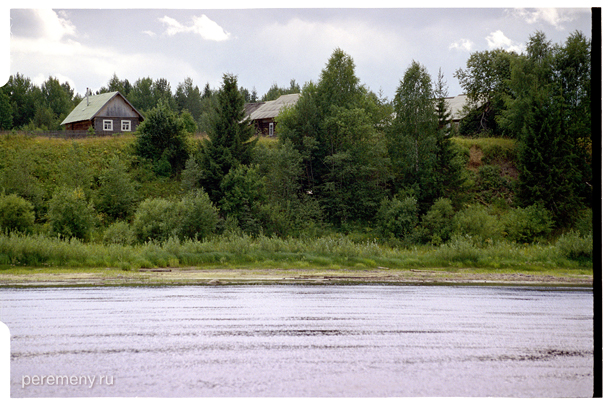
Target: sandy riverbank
point(215, 277)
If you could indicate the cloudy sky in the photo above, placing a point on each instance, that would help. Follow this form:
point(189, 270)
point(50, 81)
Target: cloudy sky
point(264, 45)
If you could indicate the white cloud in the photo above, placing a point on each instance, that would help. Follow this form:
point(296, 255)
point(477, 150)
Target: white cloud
point(554, 17)
point(462, 44)
point(311, 43)
point(201, 25)
point(497, 39)
point(149, 33)
point(52, 53)
point(53, 26)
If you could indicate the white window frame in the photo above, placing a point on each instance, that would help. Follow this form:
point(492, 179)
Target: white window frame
point(125, 125)
point(271, 129)
point(107, 125)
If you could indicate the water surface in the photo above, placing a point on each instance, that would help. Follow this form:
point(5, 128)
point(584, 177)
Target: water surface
point(300, 341)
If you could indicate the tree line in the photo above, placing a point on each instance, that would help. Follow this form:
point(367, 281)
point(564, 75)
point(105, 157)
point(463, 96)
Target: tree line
point(349, 161)
point(26, 106)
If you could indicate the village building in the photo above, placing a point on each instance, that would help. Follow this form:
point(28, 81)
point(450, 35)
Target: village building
point(263, 115)
point(455, 108)
point(108, 113)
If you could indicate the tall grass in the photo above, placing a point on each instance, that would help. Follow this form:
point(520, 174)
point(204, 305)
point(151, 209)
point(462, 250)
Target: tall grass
point(493, 148)
point(232, 251)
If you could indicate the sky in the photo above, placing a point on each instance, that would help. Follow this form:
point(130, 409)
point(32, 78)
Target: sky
point(263, 44)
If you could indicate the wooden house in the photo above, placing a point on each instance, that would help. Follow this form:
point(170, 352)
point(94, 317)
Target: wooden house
point(457, 108)
point(108, 113)
point(263, 115)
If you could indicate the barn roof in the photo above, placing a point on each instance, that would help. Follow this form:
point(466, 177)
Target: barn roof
point(456, 105)
point(84, 111)
point(271, 109)
point(251, 107)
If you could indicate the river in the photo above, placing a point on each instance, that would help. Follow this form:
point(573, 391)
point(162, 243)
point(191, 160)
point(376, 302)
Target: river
point(300, 341)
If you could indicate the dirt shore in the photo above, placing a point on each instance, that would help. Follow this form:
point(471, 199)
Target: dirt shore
point(215, 277)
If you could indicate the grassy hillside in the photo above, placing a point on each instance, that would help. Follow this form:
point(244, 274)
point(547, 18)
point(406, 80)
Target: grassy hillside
point(34, 167)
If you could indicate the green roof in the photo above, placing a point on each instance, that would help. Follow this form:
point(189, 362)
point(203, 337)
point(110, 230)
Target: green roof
point(84, 111)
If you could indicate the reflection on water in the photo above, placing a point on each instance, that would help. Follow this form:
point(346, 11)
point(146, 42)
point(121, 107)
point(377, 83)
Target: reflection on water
point(300, 341)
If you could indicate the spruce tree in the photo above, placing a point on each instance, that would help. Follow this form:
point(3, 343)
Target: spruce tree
point(230, 141)
point(449, 165)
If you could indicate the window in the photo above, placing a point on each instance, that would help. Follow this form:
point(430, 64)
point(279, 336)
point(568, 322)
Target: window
point(271, 126)
point(125, 125)
point(107, 125)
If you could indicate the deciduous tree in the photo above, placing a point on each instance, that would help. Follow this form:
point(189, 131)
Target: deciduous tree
point(412, 138)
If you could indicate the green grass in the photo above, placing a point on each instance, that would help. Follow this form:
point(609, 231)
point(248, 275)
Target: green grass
point(493, 148)
point(238, 251)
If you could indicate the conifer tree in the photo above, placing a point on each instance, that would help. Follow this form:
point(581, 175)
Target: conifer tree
point(449, 166)
point(230, 142)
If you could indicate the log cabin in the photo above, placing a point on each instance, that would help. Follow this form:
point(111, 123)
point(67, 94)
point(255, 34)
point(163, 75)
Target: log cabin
point(263, 116)
point(107, 113)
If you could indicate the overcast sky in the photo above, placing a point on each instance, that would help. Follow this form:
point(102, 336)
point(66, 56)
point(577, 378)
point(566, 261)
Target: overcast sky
point(265, 45)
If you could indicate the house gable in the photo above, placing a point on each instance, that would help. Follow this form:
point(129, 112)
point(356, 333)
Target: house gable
point(108, 112)
point(117, 107)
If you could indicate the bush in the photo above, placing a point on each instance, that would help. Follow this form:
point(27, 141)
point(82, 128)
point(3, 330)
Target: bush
point(529, 224)
point(17, 177)
point(156, 219)
point(584, 222)
point(478, 223)
point(116, 196)
point(16, 214)
point(575, 246)
point(119, 233)
point(161, 138)
point(491, 185)
point(436, 224)
point(397, 218)
point(191, 175)
point(244, 195)
point(70, 215)
point(200, 217)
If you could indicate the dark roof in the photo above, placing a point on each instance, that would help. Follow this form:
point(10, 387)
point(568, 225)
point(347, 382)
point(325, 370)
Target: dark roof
point(251, 107)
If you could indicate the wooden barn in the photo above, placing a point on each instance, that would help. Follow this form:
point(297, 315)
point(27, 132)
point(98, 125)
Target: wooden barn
point(263, 115)
point(108, 113)
point(456, 108)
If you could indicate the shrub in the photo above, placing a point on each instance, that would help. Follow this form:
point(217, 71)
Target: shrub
point(161, 138)
point(17, 177)
point(191, 175)
point(119, 233)
point(478, 223)
point(244, 195)
point(16, 214)
point(436, 223)
point(584, 222)
point(528, 224)
point(575, 246)
point(70, 215)
point(200, 217)
point(156, 219)
point(116, 196)
point(398, 217)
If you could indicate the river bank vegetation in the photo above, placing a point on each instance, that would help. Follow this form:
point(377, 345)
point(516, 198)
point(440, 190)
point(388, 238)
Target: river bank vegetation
point(351, 181)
